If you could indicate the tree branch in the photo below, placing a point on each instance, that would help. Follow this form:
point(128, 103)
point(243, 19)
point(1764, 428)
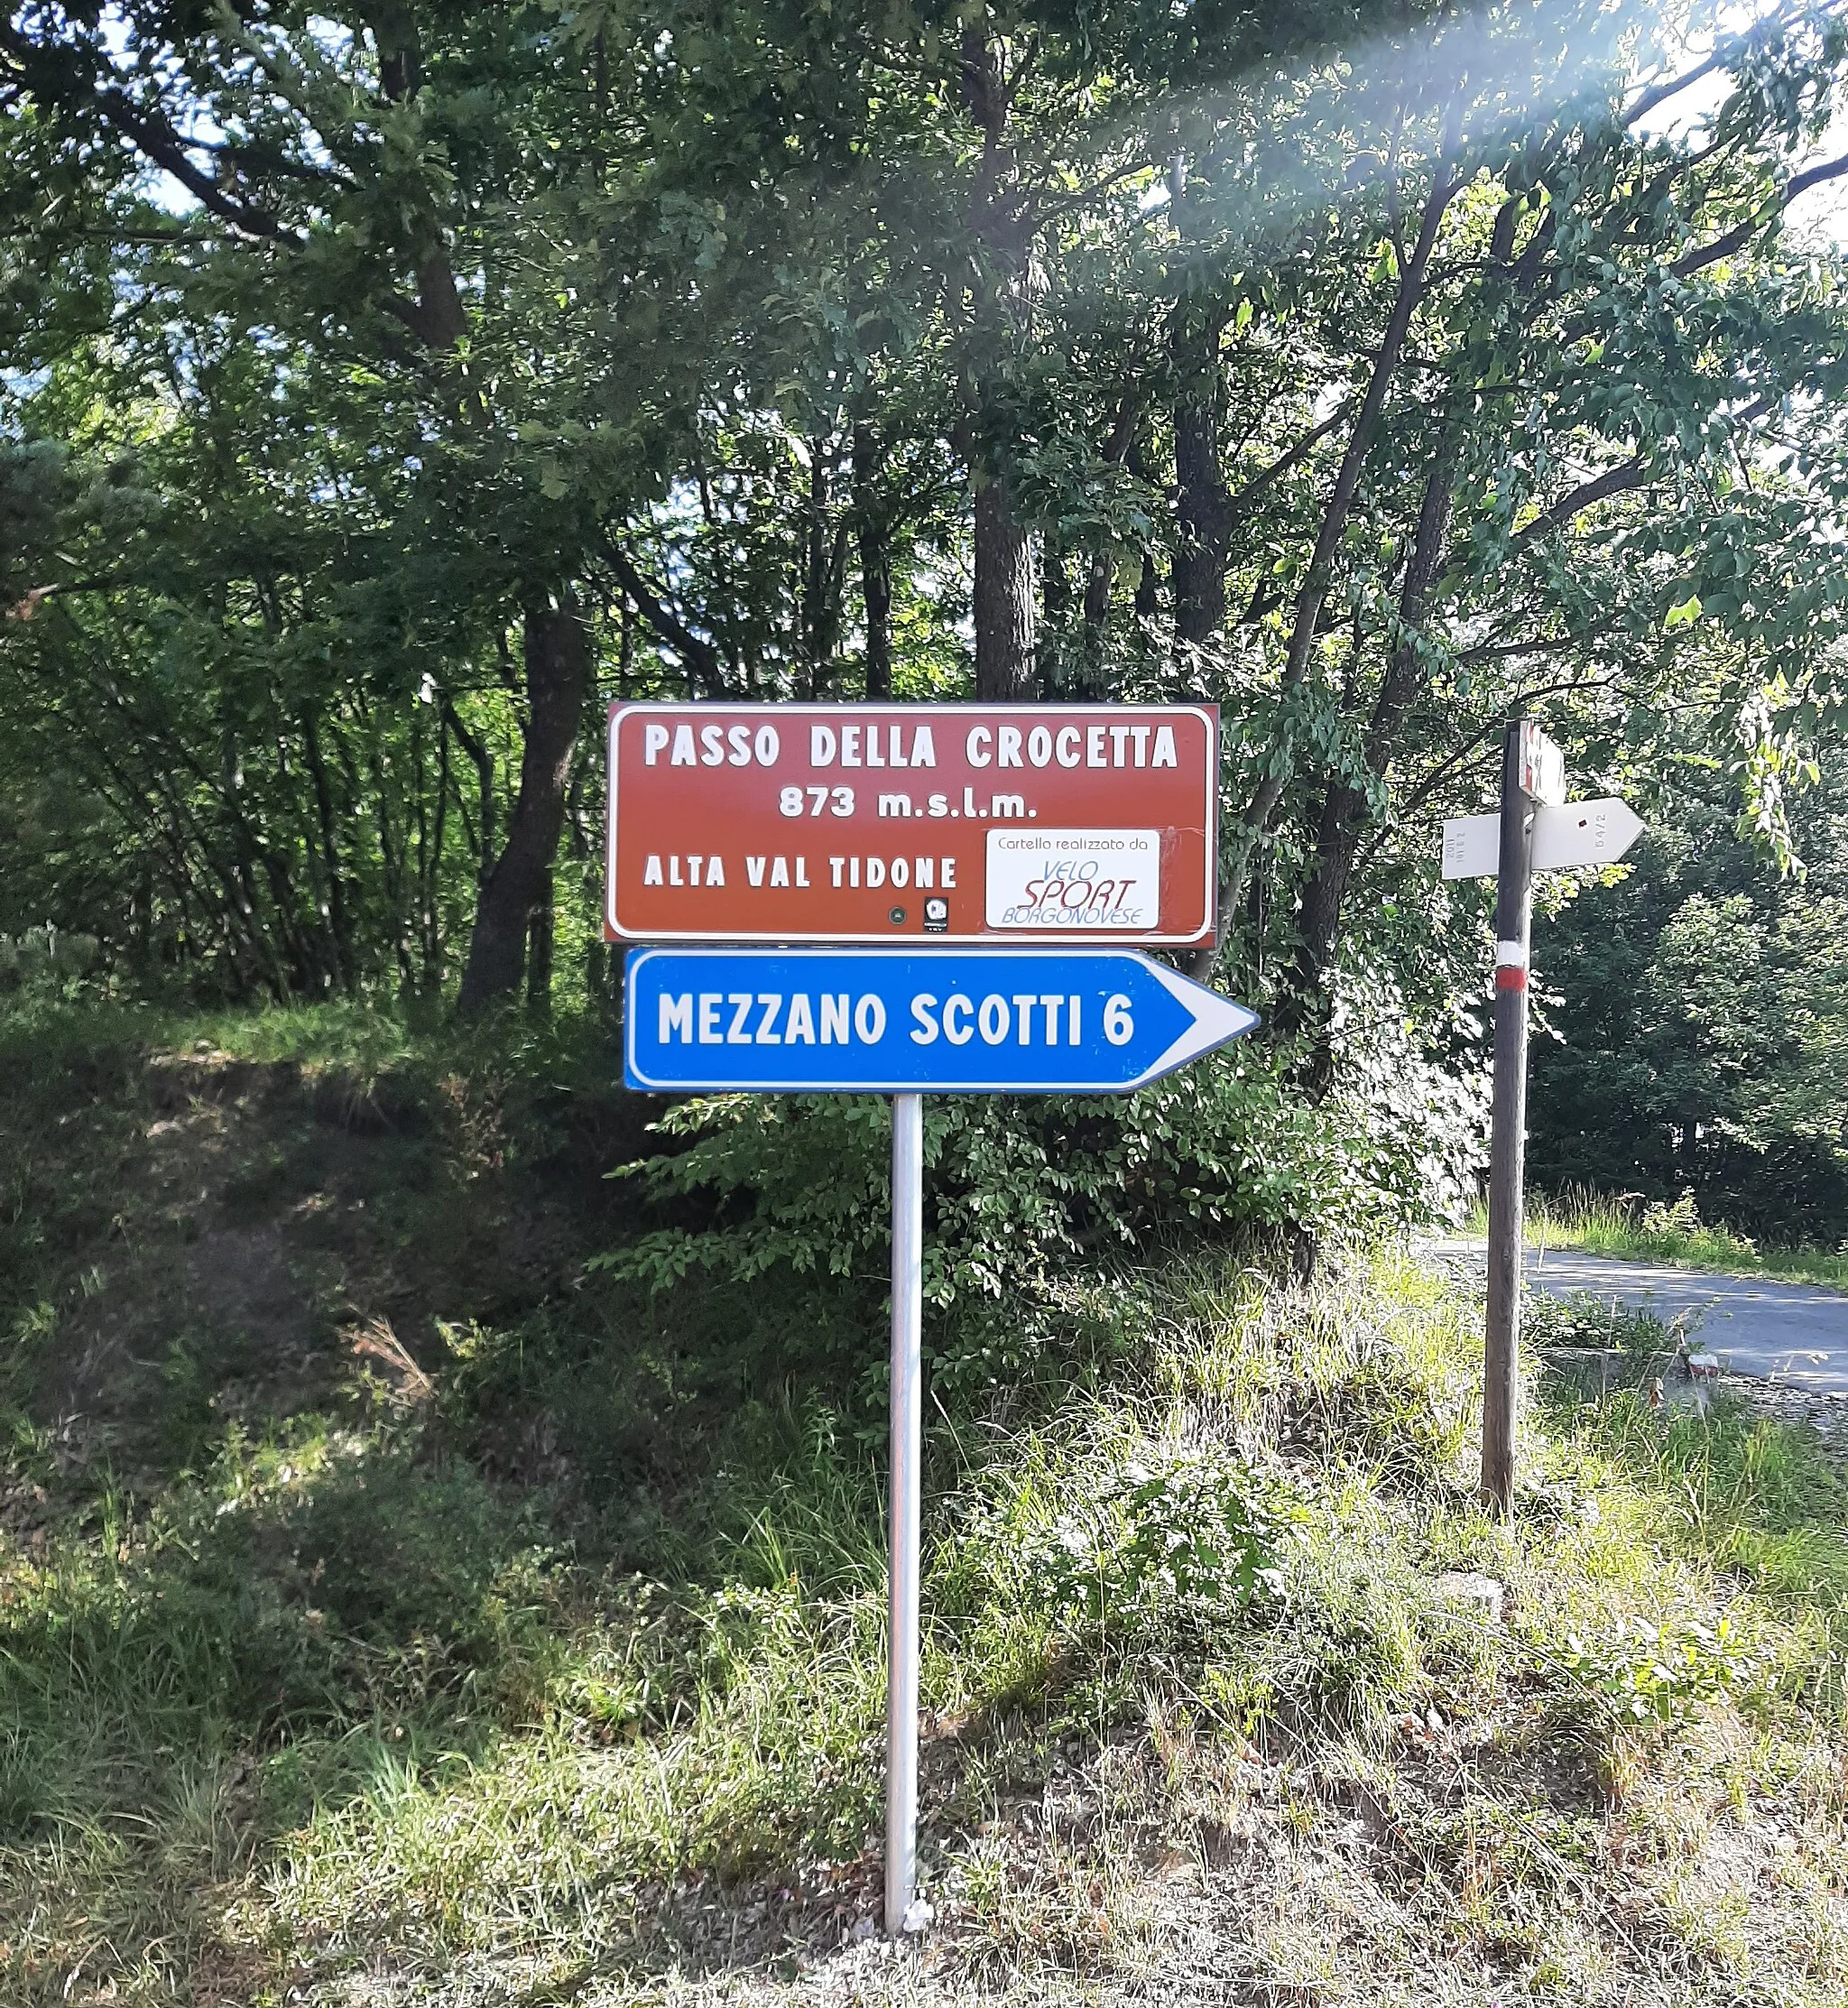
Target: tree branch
point(1613, 481)
point(1032, 208)
point(1238, 503)
point(1741, 234)
point(163, 144)
point(1646, 101)
point(1406, 806)
point(36, 597)
point(1334, 514)
point(1446, 181)
point(700, 658)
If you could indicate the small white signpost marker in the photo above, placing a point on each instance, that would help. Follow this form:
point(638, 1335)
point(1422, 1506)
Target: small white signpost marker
point(1566, 834)
point(1536, 829)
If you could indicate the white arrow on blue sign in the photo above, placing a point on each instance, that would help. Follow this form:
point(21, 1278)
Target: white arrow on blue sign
point(932, 1020)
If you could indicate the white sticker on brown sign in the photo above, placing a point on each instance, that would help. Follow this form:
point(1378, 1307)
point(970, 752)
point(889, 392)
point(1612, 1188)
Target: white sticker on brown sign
point(1074, 881)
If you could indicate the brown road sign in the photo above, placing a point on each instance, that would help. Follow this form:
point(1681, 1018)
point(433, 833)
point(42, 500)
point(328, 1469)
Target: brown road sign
point(1064, 824)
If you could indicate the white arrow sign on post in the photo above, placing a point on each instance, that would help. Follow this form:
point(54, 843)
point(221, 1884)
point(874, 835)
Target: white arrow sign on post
point(1573, 833)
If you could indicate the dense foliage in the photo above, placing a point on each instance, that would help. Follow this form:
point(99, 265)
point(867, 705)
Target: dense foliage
point(1021, 1193)
point(401, 1594)
point(385, 385)
point(1701, 1030)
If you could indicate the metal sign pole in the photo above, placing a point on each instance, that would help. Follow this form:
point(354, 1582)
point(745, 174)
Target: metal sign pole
point(907, 1452)
point(1508, 1138)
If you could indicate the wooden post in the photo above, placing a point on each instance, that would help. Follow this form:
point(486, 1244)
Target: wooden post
point(1507, 1137)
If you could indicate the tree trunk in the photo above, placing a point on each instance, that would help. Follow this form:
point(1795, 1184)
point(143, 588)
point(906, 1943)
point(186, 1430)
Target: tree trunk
point(1147, 597)
point(1313, 594)
point(557, 676)
point(1345, 806)
point(1095, 636)
point(597, 970)
point(816, 626)
point(539, 953)
point(875, 587)
point(1202, 503)
point(1004, 597)
point(338, 945)
point(1057, 653)
point(873, 535)
point(395, 857)
point(1092, 678)
point(483, 762)
point(1003, 600)
point(1146, 600)
point(436, 316)
point(1201, 549)
point(270, 940)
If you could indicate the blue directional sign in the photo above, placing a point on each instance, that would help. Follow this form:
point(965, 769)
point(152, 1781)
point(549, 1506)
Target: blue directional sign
point(895, 1021)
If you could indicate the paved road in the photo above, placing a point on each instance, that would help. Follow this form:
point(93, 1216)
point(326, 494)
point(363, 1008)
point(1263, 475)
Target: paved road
point(1796, 1333)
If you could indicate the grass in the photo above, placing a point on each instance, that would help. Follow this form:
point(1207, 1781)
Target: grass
point(1603, 1223)
point(390, 1615)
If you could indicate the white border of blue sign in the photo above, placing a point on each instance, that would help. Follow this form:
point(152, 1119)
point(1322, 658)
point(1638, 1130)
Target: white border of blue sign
point(1214, 1020)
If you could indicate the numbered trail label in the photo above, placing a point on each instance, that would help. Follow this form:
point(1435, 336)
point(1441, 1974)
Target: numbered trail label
point(878, 823)
point(893, 1021)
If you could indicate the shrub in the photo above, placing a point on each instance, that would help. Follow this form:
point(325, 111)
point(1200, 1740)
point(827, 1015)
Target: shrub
point(1165, 1546)
point(1020, 1192)
point(46, 955)
point(1653, 1673)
